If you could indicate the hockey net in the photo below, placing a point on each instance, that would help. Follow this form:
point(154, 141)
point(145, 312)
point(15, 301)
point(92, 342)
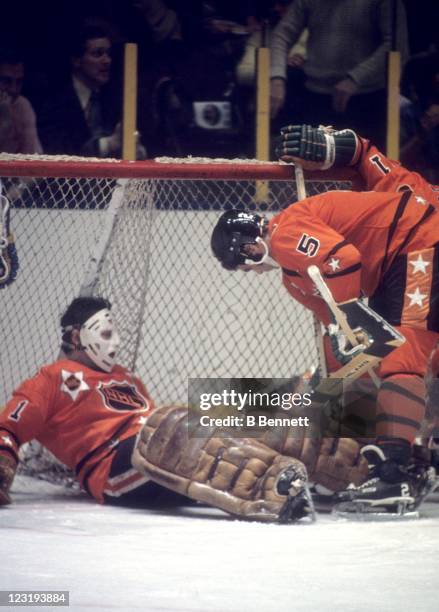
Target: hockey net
point(139, 234)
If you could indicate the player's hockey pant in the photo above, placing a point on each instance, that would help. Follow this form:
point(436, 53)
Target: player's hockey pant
point(408, 298)
point(112, 474)
point(401, 399)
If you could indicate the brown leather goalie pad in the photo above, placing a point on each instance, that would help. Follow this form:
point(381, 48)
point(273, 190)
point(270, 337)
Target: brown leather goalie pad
point(237, 475)
point(331, 462)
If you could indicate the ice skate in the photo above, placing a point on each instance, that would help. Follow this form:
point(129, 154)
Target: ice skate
point(393, 490)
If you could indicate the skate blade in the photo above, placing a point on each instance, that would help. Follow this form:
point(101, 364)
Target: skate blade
point(362, 511)
point(375, 516)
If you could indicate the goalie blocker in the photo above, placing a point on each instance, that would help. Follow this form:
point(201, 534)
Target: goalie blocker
point(8, 252)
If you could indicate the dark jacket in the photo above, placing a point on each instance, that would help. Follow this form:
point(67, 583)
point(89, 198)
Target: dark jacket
point(63, 127)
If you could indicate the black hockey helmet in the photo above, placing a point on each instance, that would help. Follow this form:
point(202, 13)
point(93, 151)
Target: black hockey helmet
point(234, 229)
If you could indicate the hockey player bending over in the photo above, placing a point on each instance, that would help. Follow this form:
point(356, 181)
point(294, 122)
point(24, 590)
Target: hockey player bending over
point(383, 244)
point(90, 412)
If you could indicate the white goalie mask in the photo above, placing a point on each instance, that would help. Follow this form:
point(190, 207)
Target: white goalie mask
point(100, 339)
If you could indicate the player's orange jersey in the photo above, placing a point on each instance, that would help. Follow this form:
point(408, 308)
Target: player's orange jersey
point(352, 237)
point(78, 413)
point(380, 173)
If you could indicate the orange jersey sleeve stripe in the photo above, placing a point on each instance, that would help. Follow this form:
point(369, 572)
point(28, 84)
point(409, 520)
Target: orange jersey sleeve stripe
point(418, 285)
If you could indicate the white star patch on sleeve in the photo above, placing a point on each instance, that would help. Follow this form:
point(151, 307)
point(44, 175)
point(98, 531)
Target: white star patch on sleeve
point(7, 440)
point(419, 265)
point(334, 264)
point(416, 298)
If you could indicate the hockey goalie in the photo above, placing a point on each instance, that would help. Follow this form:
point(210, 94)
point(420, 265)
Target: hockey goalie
point(380, 244)
point(98, 419)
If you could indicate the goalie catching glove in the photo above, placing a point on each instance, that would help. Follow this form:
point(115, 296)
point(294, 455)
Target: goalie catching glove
point(238, 475)
point(318, 148)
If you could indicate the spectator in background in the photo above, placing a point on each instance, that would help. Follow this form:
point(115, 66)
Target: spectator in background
point(246, 67)
point(420, 115)
point(346, 61)
point(162, 21)
point(18, 131)
point(83, 117)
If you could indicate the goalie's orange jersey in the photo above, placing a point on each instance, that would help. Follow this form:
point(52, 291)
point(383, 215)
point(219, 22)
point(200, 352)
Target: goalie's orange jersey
point(353, 237)
point(77, 413)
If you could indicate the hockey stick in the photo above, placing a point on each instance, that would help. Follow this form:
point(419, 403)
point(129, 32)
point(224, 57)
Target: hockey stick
point(300, 182)
point(301, 195)
point(316, 277)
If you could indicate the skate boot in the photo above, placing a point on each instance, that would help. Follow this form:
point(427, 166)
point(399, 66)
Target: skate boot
point(396, 487)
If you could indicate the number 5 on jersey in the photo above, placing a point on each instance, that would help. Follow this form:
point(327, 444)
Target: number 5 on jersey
point(308, 245)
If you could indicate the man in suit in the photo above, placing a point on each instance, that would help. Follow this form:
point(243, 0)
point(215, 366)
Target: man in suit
point(81, 118)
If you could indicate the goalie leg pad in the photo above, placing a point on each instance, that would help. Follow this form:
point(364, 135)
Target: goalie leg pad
point(237, 475)
point(332, 462)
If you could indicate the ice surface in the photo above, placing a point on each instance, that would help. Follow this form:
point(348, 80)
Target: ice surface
point(198, 559)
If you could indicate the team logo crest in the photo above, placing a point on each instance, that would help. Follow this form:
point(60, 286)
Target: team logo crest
point(73, 383)
point(122, 396)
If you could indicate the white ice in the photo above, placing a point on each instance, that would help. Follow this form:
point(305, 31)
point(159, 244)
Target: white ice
point(199, 560)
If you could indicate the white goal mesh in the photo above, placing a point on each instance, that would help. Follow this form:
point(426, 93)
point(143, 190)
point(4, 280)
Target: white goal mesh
point(180, 314)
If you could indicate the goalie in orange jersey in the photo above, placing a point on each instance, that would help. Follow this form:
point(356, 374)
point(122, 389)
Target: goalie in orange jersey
point(84, 408)
point(382, 244)
point(97, 418)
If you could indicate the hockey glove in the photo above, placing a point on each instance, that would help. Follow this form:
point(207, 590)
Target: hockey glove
point(340, 346)
point(318, 148)
point(8, 252)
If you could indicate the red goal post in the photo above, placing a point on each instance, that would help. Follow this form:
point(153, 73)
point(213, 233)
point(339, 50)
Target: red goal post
point(139, 233)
